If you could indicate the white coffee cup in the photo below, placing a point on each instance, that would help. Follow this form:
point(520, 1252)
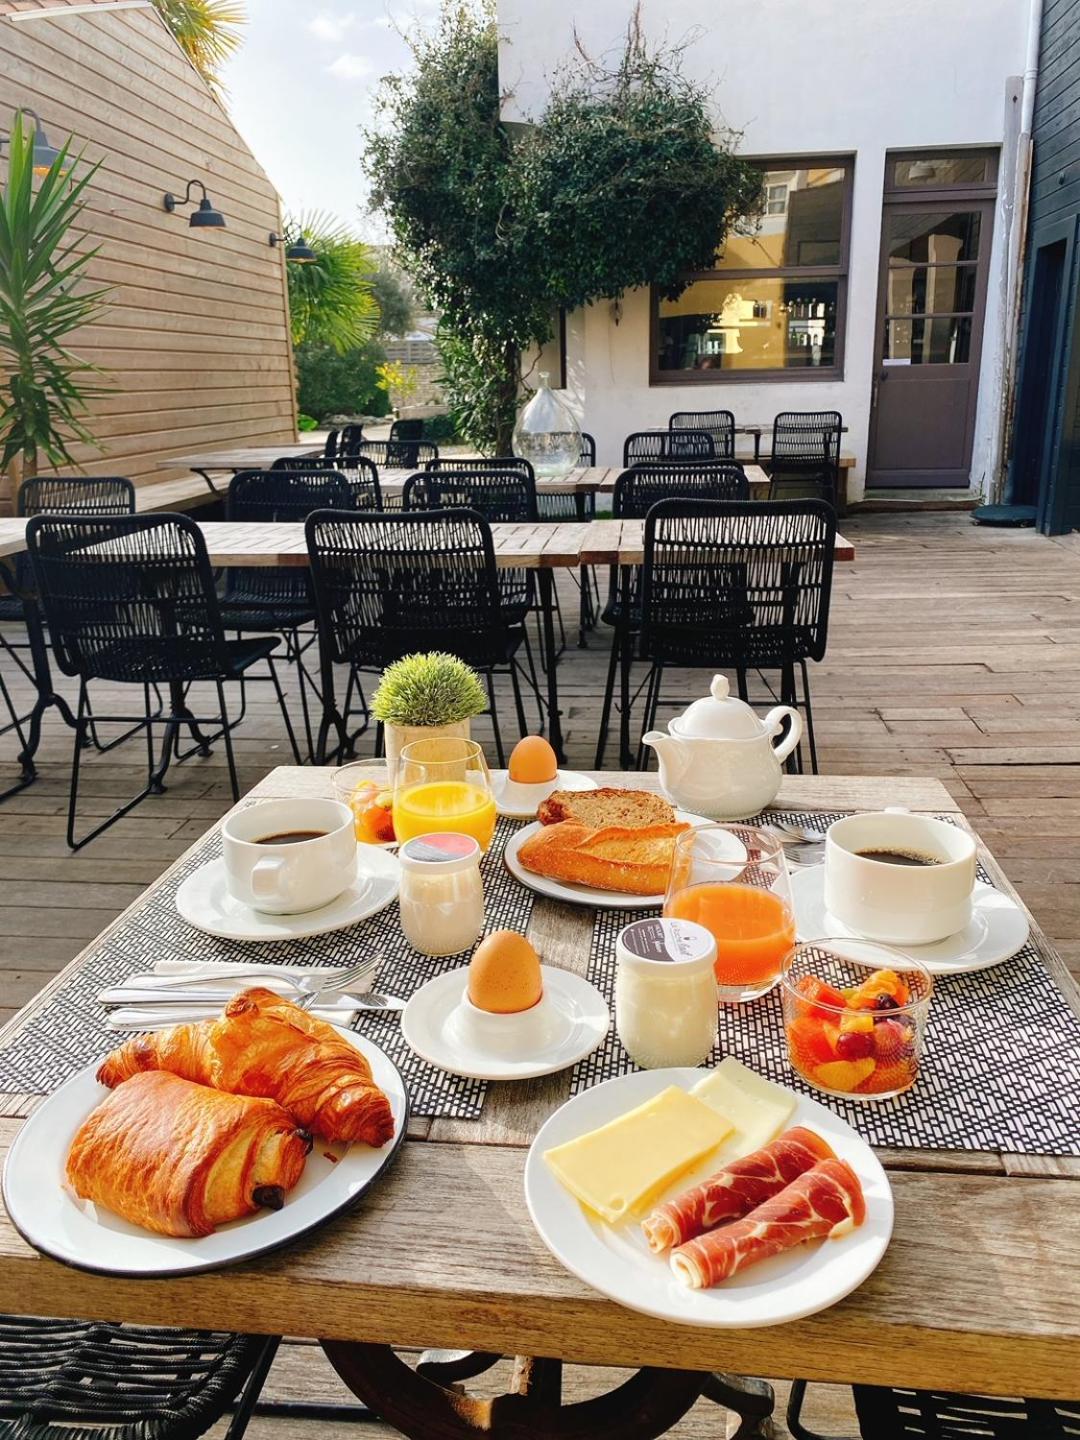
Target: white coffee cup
point(899, 904)
point(289, 878)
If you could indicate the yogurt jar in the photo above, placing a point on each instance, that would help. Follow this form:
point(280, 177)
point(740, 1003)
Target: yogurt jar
point(442, 896)
point(666, 1001)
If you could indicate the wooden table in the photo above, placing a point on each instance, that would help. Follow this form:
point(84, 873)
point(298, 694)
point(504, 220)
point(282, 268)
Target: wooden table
point(979, 1290)
point(586, 480)
point(249, 457)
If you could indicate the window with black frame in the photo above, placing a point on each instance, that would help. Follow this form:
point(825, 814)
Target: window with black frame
point(774, 301)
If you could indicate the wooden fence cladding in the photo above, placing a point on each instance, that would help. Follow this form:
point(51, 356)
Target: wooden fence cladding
point(195, 342)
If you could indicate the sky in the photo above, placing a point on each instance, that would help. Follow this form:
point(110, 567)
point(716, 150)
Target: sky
point(302, 87)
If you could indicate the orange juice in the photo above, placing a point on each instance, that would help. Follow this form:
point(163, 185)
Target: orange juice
point(445, 805)
point(753, 928)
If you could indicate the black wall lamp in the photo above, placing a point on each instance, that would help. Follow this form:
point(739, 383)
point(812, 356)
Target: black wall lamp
point(45, 155)
point(298, 251)
point(205, 216)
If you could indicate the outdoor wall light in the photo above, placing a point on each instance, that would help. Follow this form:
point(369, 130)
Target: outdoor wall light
point(203, 218)
point(45, 155)
point(298, 251)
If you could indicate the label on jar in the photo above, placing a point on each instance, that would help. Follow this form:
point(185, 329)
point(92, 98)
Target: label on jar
point(438, 849)
point(664, 941)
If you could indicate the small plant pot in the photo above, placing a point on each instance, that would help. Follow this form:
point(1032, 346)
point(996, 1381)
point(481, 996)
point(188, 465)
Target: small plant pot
point(398, 736)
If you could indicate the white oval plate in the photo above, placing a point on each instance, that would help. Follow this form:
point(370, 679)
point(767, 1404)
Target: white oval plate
point(580, 1022)
point(203, 900)
point(998, 927)
point(54, 1221)
point(585, 894)
point(521, 802)
point(616, 1260)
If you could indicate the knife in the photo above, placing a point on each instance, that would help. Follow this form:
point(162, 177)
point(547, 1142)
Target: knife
point(147, 995)
point(158, 1016)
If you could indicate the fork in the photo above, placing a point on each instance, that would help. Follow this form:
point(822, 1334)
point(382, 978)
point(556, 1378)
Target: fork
point(335, 979)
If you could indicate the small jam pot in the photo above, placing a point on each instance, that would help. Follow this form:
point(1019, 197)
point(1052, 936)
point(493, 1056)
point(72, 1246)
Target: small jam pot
point(666, 1002)
point(442, 895)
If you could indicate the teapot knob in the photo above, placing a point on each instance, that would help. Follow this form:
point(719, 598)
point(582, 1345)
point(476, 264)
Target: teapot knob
point(720, 689)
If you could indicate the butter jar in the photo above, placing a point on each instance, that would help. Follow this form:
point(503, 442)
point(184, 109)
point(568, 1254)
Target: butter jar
point(666, 999)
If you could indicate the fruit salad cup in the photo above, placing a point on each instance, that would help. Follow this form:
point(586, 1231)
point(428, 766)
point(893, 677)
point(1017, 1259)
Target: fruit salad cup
point(364, 786)
point(855, 1017)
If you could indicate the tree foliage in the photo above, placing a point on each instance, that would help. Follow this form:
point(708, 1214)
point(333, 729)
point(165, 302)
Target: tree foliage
point(206, 31)
point(622, 181)
point(329, 383)
point(394, 297)
point(44, 298)
point(331, 299)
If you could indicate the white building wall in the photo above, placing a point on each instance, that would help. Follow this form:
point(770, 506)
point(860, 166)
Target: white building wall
point(797, 77)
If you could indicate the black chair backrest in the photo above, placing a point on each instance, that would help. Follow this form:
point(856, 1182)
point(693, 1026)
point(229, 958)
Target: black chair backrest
point(330, 449)
point(720, 424)
point(395, 454)
point(495, 493)
point(389, 585)
point(482, 462)
point(350, 438)
point(285, 494)
point(725, 572)
point(407, 430)
point(667, 445)
point(588, 449)
point(361, 476)
point(128, 598)
point(76, 495)
point(806, 439)
point(638, 489)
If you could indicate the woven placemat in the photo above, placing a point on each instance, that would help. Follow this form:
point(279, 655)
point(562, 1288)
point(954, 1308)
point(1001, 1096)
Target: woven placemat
point(70, 1031)
point(1000, 1071)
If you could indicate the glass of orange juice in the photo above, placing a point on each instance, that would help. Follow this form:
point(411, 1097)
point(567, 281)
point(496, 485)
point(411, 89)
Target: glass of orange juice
point(442, 783)
point(733, 879)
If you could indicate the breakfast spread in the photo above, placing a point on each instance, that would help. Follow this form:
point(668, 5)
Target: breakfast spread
point(180, 1159)
point(504, 974)
point(265, 1046)
point(861, 1040)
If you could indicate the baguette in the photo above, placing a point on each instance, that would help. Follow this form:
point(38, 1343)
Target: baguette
point(633, 861)
point(630, 809)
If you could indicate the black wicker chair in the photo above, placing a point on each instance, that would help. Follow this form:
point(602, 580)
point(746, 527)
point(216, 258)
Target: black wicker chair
point(898, 1414)
point(330, 449)
point(406, 431)
point(396, 454)
point(277, 600)
point(719, 424)
point(806, 454)
point(588, 449)
point(349, 440)
point(80, 1380)
point(636, 491)
point(361, 476)
point(736, 587)
point(646, 445)
point(131, 599)
point(389, 585)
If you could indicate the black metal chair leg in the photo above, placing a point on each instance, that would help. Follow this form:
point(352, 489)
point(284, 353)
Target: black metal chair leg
point(626, 660)
point(518, 701)
point(227, 737)
point(285, 712)
point(808, 709)
point(609, 697)
point(499, 752)
point(245, 1405)
point(752, 1400)
point(301, 680)
point(648, 714)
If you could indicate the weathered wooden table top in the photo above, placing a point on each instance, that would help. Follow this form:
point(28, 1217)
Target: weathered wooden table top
point(979, 1290)
point(586, 480)
point(243, 457)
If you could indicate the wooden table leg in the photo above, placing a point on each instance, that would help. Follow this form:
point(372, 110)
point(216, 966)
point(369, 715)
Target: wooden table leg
point(643, 1407)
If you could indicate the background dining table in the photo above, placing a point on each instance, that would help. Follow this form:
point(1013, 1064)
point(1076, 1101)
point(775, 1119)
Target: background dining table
point(979, 1289)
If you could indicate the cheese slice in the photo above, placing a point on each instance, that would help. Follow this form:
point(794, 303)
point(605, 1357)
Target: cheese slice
point(758, 1109)
point(620, 1168)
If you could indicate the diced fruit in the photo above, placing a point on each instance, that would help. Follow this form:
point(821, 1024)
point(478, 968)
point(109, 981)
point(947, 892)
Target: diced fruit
point(857, 1020)
point(810, 1043)
point(820, 996)
point(883, 990)
point(844, 1075)
point(891, 1041)
point(375, 826)
point(855, 1044)
point(888, 1078)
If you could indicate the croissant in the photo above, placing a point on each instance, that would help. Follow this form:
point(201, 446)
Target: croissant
point(265, 1045)
point(181, 1159)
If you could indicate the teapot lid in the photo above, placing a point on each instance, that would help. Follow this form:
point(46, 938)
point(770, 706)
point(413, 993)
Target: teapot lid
point(718, 716)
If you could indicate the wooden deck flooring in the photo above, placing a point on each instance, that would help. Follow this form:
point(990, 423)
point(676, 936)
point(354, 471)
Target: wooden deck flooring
point(954, 651)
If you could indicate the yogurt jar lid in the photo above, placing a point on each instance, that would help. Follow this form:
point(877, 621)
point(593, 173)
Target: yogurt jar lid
point(443, 852)
point(662, 944)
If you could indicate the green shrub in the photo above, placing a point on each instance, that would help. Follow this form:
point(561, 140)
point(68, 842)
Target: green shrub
point(333, 384)
point(441, 430)
point(305, 422)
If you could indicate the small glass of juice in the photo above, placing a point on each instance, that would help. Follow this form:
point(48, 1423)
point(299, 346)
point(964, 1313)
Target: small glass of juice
point(443, 784)
point(733, 879)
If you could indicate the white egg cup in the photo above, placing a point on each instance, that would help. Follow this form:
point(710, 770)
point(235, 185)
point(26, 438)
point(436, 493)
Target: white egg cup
point(520, 799)
point(520, 1031)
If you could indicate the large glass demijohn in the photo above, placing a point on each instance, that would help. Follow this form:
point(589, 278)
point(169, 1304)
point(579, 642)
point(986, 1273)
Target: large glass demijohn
point(548, 435)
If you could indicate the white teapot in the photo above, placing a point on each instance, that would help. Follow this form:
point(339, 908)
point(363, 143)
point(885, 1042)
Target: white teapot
point(719, 760)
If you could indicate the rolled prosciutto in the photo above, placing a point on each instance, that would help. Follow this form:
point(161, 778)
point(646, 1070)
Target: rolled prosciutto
point(735, 1190)
point(823, 1203)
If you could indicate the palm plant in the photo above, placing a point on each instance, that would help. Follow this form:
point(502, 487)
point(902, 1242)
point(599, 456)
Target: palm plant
point(331, 298)
point(43, 299)
point(206, 32)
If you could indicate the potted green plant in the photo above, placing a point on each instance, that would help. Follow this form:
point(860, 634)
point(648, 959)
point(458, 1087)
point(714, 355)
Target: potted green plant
point(424, 695)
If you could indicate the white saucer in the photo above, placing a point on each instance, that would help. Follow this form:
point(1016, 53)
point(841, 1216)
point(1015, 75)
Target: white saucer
point(579, 1020)
point(998, 928)
point(204, 901)
point(520, 802)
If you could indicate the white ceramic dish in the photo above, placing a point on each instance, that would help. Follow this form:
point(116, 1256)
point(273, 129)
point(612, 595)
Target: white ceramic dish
point(616, 1260)
point(520, 802)
point(585, 894)
point(55, 1222)
point(998, 927)
point(576, 1020)
point(204, 901)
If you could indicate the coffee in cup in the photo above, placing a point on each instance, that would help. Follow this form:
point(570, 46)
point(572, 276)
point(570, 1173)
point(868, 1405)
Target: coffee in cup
point(288, 856)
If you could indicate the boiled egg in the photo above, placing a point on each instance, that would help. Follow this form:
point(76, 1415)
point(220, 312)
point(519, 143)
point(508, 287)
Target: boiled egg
point(533, 761)
point(504, 974)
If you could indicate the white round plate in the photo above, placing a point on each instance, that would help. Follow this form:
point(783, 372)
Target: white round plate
point(203, 900)
point(579, 1022)
point(55, 1222)
point(510, 801)
point(998, 927)
point(616, 1260)
point(585, 894)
